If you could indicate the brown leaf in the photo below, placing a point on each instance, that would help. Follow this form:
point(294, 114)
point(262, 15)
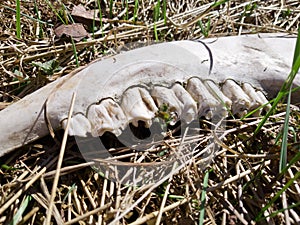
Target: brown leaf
point(80, 14)
point(76, 31)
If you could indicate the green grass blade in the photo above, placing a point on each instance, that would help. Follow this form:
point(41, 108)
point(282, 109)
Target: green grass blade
point(25, 15)
point(282, 210)
point(136, 6)
point(100, 16)
point(286, 85)
point(219, 3)
point(203, 198)
point(285, 187)
point(17, 217)
point(297, 48)
point(111, 2)
point(284, 143)
point(156, 18)
point(164, 12)
point(75, 52)
point(39, 18)
point(18, 19)
point(126, 15)
point(56, 13)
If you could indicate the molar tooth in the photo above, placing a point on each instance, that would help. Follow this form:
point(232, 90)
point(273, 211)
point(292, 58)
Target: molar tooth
point(218, 94)
point(207, 104)
point(264, 100)
point(79, 125)
point(106, 116)
point(256, 100)
point(179, 103)
point(189, 111)
point(240, 100)
point(164, 96)
point(138, 105)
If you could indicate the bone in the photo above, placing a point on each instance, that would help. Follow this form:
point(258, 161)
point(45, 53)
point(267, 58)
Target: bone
point(257, 59)
point(207, 104)
point(240, 100)
point(218, 94)
point(165, 97)
point(255, 99)
point(106, 116)
point(178, 102)
point(264, 101)
point(79, 125)
point(189, 111)
point(138, 105)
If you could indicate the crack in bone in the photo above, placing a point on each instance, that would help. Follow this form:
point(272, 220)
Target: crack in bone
point(138, 105)
point(106, 116)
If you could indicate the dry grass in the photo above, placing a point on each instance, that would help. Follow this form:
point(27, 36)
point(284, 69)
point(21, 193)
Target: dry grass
point(243, 175)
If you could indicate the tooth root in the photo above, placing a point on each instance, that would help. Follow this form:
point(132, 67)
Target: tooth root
point(189, 111)
point(79, 125)
point(107, 116)
point(218, 94)
point(207, 104)
point(138, 105)
point(164, 96)
point(240, 100)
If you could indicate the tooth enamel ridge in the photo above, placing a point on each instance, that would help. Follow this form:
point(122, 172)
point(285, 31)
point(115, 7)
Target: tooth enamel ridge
point(79, 125)
point(106, 116)
point(138, 103)
point(189, 110)
point(240, 100)
point(218, 94)
point(165, 97)
point(208, 105)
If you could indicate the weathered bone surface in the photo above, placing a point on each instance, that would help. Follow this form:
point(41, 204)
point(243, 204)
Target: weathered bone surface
point(207, 103)
point(106, 116)
point(111, 92)
point(241, 102)
point(138, 106)
point(218, 94)
point(189, 110)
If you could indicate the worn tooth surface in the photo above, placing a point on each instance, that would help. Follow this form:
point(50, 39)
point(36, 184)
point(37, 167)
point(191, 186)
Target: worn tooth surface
point(256, 100)
point(138, 105)
point(167, 101)
point(218, 94)
point(189, 111)
point(207, 104)
point(240, 100)
point(264, 100)
point(79, 125)
point(175, 101)
point(106, 116)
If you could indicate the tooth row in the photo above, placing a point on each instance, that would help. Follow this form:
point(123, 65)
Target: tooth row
point(199, 98)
